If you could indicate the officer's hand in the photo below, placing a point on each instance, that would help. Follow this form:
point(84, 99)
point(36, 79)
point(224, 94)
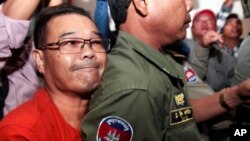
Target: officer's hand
point(244, 91)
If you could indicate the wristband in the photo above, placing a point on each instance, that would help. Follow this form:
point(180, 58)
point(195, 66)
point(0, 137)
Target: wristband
point(223, 103)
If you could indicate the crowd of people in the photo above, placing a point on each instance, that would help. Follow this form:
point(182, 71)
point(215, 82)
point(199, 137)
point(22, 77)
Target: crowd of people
point(75, 78)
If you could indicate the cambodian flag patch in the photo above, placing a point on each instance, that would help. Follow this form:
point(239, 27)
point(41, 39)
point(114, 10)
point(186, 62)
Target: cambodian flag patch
point(113, 128)
point(190, 75)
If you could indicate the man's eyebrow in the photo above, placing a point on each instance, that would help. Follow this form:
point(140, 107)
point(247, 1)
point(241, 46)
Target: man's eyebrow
point(70, 33)
point(97, 33)
point(67, 33)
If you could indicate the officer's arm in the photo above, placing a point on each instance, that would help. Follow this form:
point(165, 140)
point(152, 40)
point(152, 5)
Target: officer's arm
point(232, 97)
point(129, 114)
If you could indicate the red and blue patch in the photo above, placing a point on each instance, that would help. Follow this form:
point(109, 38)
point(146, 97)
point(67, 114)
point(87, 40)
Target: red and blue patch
point(113, 128)
point(190, 75)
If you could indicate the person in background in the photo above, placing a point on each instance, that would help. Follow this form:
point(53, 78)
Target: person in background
point(242, 71)
point(225, 10)
point(245, 7)
point(214, 129)
point(241, 74)
point(231, 34)
point(143, 95)
point(71, 58)
point(217, 66)
point(16, 62)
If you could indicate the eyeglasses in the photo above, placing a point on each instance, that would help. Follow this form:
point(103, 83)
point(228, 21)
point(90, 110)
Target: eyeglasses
point(74, 45)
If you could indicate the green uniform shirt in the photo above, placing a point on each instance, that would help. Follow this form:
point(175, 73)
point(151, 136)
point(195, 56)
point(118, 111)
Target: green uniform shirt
point(142, 97)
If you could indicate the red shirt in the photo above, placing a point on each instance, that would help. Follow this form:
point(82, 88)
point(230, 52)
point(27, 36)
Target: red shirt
point(37, 120)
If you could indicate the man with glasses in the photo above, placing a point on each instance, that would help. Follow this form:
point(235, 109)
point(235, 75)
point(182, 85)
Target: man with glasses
point(71, 43)
point(71, 58)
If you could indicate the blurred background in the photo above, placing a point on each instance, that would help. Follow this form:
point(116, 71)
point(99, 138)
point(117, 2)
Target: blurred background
point(214, 5)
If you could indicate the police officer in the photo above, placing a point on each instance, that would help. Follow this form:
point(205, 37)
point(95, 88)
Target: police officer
point(142, 95)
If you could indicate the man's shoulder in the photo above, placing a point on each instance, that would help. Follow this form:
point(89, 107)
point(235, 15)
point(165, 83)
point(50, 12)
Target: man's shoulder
point(124, 72)
point(124, 77)
point(125, 67)
point(23, 116)
point(245, 44)
point(27, 114)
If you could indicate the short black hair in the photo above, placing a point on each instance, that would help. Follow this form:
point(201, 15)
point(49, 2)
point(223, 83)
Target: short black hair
point(233, 16)
point(118, 10)
point(49, 13)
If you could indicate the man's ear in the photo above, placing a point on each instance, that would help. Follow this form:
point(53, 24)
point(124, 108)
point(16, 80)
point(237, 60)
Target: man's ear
point(39, 60)
point(141, 6)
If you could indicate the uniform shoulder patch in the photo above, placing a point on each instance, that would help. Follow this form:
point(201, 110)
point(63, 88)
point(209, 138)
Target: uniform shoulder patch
point(113, 128)
point(190, 74)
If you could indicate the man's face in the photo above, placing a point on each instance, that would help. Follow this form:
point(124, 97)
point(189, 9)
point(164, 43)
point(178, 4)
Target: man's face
point(202, 24)
point(169, 19)
point(232, 28)
point(76, 72)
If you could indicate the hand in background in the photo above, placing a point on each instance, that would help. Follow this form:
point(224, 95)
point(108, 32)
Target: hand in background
point(228, 3)
point(209, 38)
point(23, 9)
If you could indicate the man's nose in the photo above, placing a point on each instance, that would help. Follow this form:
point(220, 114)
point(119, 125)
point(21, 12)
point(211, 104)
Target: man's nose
point(87, 51)
point(204, 23)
